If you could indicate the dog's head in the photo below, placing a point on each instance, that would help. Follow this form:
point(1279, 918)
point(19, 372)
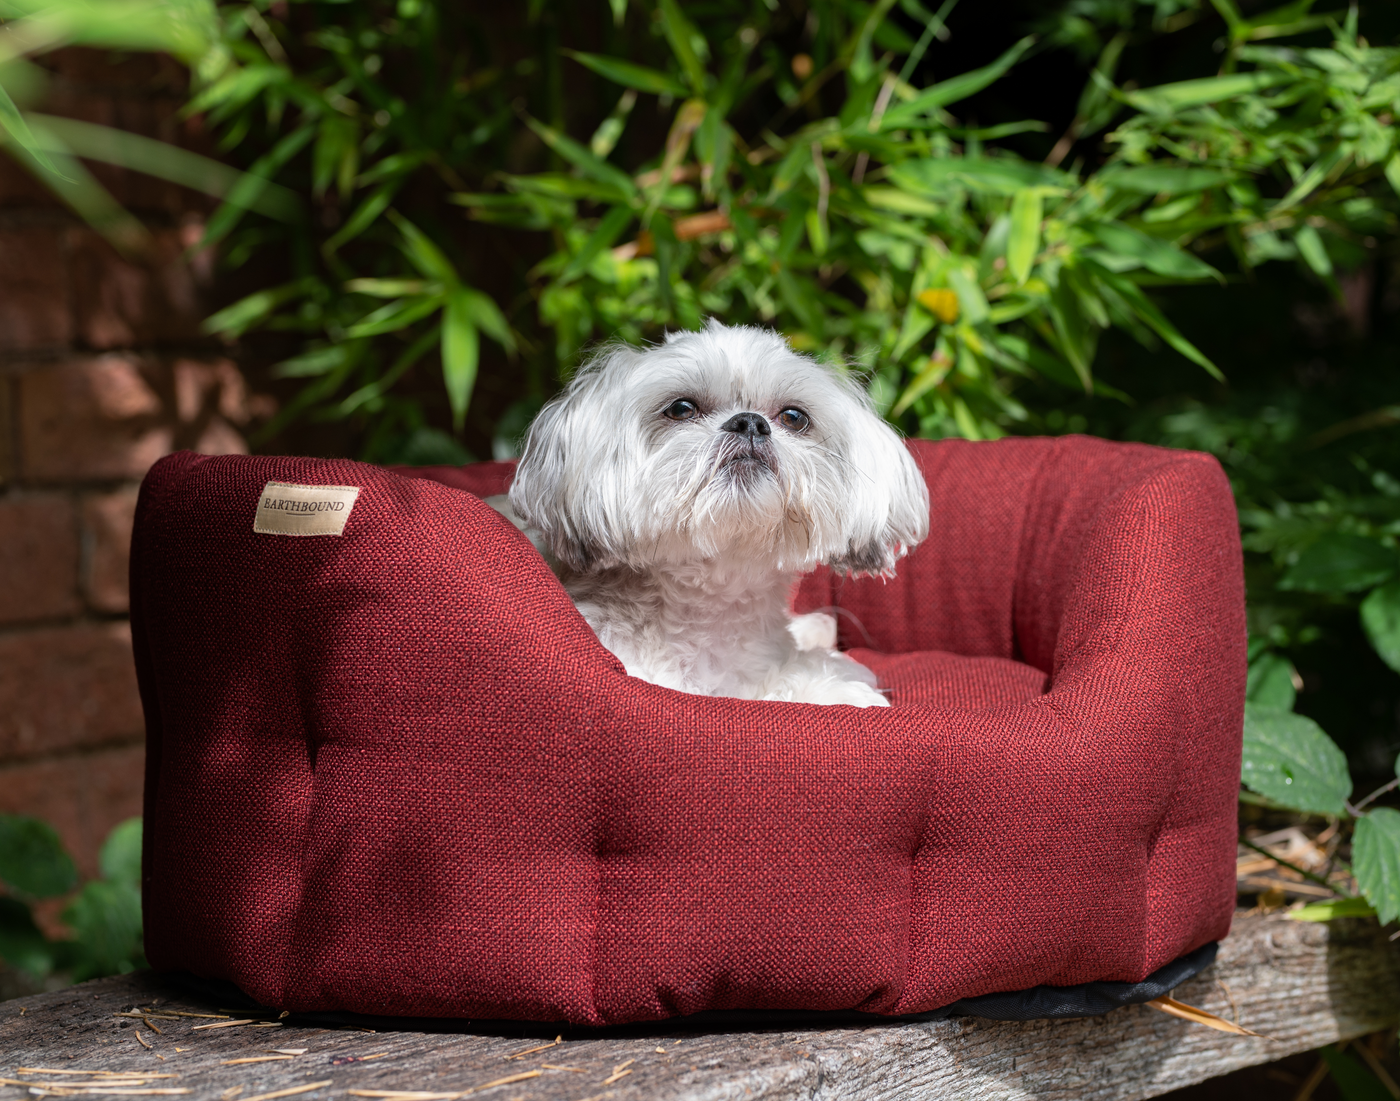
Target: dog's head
point(718, 444)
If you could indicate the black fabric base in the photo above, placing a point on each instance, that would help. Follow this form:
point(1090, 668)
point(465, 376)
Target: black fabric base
point(1038, 1003)
point(1087, 1000)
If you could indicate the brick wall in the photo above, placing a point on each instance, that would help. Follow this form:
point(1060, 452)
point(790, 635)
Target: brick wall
point(102, 371)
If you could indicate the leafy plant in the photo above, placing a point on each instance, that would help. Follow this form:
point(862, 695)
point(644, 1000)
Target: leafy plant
point(104, 915)
point(54, 148)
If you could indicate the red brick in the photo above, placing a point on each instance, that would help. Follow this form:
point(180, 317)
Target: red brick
point(38, 557)
point(91, 418)
point(107, 519)
point(120, 303)
point(19, 188)
point(81, 796)
point(65, 688)
point(144, 74)
point(113, 416)
point(34, 296)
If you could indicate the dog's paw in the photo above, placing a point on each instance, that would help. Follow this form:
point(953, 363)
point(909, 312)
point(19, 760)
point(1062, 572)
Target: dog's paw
point(814, 631)
point(829, 690)
point(858, 695)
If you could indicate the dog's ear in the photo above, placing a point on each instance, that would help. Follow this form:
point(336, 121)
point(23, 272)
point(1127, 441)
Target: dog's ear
point(887, 511)
point(574, 459)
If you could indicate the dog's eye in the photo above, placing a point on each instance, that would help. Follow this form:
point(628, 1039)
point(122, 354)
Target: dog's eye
point(794, 419)
point(681, 410)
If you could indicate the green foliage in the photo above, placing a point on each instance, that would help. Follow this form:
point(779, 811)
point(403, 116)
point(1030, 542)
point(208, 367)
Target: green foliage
point(1376, 860)
point(1354, 1081)
point(104, 915)
point(848, 206)
point(1287, 758)
point(51, 147)
point(33, 862)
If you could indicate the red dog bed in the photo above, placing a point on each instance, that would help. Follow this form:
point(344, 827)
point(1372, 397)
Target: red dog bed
point(392, 771)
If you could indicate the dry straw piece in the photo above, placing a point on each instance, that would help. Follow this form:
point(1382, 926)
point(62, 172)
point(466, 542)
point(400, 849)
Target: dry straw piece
point(619, 1071)
point(426, 1095)
point(532, 1050)
point(107, 1073)
point(254, 1059)
point(225, 1024)
point(1199, 1016)
point(288, 1093)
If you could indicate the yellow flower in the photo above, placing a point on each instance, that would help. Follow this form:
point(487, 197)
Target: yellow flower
point(943, 304)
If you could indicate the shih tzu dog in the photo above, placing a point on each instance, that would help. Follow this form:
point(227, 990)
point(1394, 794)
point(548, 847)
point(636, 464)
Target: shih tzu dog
point(680, 491)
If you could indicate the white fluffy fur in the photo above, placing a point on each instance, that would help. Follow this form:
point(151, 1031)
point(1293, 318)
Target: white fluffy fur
point(680, 542)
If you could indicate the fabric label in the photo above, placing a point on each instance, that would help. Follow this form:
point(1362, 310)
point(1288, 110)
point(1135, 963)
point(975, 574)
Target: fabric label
point(286, 509)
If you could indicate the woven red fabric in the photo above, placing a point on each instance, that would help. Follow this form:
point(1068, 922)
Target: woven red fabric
point(394, 772)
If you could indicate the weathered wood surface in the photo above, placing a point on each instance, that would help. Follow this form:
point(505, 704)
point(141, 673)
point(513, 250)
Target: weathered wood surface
point(1300, 984)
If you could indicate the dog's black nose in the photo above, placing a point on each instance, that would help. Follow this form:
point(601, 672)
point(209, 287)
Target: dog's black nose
point(747, 424)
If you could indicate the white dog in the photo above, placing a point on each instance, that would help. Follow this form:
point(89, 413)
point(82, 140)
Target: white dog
point(682, 489)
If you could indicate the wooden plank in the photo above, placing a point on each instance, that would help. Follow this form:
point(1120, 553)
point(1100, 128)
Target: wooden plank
point(1300, 984)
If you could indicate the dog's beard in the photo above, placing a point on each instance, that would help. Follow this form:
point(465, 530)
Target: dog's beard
point(736, 500)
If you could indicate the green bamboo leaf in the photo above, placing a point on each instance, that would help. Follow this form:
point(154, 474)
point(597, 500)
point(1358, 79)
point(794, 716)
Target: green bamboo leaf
point(238, 318)
point(394, 316)
point(363, 216)
point(681, 35)
point(399, 164)
point(1288, 758)
point(1155, 254)
point(388, 288)
point(245, 193)
point(607, 231)
point(818, 236)
point(583, 158)
point(237, 88)
point(604, 138)
point(1375, 860)
point(1142, 306)
point(318, 361)
point(460, 354)
point(1152, 179)
point(1024, 241)
point(373, 391)
point(169, 162)
point(953, 89)
point(1334, 908)
point(898, 201)
point(971, 300)
point(997, 175)
point(933, 372)
point(12, 122)
point(335, 156)
point(1392, 172)
point(487, 317)
point(1313, 251)
point(1380, 616)
point(421, 252)
point(1166, 99)
point(561, 185)
point(629, 75)
point(1311, 179)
